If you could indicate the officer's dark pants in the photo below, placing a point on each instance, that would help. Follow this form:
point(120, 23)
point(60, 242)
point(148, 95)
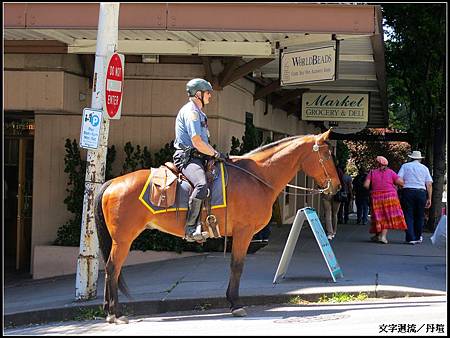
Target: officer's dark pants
point(195, 172)
point(414, 201)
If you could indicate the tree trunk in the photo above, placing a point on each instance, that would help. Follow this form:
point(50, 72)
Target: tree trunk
point(439, 161)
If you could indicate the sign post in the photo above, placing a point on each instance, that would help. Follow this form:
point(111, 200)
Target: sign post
point(324, 245)
point(87, 263)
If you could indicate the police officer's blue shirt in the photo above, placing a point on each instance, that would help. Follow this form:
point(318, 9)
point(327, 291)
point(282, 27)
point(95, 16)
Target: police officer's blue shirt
point(190, 121)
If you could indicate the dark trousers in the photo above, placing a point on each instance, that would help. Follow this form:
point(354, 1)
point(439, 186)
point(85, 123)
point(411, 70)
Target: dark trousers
point(413, 202)
point(344, 210)
point(362, 209)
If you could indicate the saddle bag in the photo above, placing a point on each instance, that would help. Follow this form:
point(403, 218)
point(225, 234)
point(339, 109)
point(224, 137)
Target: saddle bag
point(163, 187)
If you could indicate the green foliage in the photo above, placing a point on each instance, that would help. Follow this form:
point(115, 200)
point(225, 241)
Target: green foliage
point(341, 297)
point(135, 160)
point(363, 154)
point(90, 313)
point(165, 154)
point(296, 300)
point(415, 64)
point(235, 146)
point(416, 67)
point(342, 153)
point(251, 140)
point(69, 233)
point(160, 241)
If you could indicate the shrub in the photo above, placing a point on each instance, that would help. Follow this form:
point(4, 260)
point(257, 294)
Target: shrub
point(69, 233)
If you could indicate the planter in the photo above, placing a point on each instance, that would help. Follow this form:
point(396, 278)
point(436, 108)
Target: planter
point(52, 260)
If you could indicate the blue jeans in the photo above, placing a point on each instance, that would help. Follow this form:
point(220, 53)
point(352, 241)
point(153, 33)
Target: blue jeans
point(413, 201)
point(362, 209)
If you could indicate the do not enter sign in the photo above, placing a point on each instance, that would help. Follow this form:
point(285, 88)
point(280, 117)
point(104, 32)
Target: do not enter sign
point(114, 85)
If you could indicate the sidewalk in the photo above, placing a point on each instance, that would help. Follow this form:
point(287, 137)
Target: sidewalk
point(380, 270)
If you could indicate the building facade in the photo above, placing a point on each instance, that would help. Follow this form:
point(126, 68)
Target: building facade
point(48, 76)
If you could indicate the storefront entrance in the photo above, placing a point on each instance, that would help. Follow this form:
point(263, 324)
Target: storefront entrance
point(18, 188)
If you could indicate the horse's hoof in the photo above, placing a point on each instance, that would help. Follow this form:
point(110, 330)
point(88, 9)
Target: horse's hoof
point(239, 312)
point(110, 319)
point(121, 320)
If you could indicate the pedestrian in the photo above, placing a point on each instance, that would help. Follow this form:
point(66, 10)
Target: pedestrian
point(416, 195)
point(386, 209)
point(361, 197)
point(331, 208)
point(193, 150)
point(344, 208)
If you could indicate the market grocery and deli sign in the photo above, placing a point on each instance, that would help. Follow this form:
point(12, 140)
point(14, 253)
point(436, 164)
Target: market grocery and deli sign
point(308, 66)
point(335, 107)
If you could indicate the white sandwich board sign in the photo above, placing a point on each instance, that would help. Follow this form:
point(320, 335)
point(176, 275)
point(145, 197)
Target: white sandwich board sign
point(310, 215)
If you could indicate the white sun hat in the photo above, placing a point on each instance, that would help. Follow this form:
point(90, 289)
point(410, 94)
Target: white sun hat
point(416, 155)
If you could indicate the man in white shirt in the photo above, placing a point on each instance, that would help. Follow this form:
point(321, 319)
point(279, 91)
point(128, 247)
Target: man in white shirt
point(416, 195)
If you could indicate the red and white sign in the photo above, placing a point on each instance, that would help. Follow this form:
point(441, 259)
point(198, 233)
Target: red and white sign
point(114, 85)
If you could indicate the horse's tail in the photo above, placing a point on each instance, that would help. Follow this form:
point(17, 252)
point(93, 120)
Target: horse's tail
point(104, 237)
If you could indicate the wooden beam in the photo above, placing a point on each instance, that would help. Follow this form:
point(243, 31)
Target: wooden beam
point(245, 69)
point(206, 60)
point(288, 96)
point(292, 109)
point(263, 92)
point(230, 67)
point(35, 46)
point(88, 63)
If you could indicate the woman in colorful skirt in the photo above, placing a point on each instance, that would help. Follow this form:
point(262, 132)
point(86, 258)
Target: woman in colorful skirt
point(386, 209)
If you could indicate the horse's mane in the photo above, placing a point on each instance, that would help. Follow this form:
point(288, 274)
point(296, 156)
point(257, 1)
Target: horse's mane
point(273, 144)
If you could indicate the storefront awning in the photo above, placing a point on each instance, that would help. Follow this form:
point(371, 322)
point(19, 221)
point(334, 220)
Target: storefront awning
point(245, 38)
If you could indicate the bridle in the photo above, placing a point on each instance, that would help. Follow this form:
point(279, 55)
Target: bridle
point(315, 148)
point(312, 191)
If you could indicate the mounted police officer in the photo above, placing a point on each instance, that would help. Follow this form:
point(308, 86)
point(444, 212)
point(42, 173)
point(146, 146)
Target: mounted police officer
point(193, 149)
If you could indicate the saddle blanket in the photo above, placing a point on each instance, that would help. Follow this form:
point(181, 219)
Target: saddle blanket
point(184, 190)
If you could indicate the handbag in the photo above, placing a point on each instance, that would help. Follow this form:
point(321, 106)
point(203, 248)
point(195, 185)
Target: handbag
point(341, 196)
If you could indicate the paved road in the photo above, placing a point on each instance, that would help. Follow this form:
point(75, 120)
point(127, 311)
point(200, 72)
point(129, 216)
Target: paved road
point(399, 316)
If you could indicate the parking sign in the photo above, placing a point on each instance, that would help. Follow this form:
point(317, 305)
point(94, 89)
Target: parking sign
point(90, 128)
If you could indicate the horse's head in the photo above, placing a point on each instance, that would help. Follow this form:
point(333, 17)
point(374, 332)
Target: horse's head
point(318, 163)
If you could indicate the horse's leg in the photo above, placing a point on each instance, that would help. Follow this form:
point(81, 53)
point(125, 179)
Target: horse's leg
point(119, 253)
point(241, 241)
point(106, 294)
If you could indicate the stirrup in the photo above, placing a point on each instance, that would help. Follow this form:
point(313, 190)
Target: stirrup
point(197, 236)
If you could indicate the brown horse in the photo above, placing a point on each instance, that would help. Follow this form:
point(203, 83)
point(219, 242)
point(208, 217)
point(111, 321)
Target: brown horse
point(251, 192)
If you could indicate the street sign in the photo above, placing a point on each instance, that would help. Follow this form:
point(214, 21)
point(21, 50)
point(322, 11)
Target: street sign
point(324, 245)
point(343, 127)
point(114, 85)
point(90, 128)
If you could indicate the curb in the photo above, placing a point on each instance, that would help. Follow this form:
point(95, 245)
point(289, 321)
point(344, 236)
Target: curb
point(151, 307)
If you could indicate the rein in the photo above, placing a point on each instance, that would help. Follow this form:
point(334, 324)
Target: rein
point(250, 173)
point(316, 148)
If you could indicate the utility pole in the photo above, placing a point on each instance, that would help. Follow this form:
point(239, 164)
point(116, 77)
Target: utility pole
point(87, 264)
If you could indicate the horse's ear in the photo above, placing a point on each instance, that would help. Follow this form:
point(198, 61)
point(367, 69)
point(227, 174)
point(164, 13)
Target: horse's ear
point(325, 135)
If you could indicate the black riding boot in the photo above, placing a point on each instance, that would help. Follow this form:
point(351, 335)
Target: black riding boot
point(193, 230)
